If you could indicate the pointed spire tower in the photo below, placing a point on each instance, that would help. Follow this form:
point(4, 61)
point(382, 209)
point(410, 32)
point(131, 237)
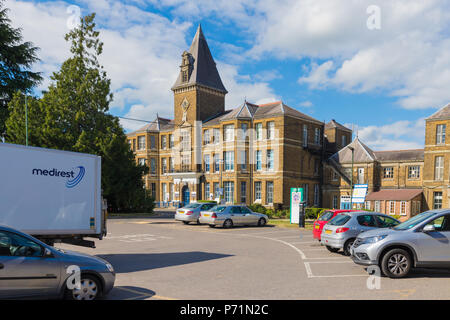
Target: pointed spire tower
point(198, 91)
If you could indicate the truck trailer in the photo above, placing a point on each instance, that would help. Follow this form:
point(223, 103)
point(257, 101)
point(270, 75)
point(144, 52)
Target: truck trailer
point(52, 195)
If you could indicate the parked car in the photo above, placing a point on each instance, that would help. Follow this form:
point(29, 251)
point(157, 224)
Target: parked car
point(323, 220)
point(30, 268)
point(191, 212)
point(421, 241)
point(232, 215)
point(342, 230)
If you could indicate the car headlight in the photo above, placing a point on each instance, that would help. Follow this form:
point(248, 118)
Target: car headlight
point(110, 268)
point(373, 239)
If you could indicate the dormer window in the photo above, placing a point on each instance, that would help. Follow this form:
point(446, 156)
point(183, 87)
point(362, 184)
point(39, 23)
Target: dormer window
point(185, 76)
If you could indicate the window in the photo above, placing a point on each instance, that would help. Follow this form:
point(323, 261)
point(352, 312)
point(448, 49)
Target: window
point(228, 132)
point(316, 195)
point(367, 205)
point(366, 221)
point(185, 140)
point(152, 165)
point(229, 160)
point(388, 172)
point(305, 135)
point(185, 163)
point(152, 142)
point(413, 172)
point(403, 208)
point(305, 190)
point(12, 244)
point(243, 159)
point(171, 141)
point(165, 195)
point(316, 166)
point(141, 161)
point(269, 192)
point(270, 130)
point(206, 138)
point(134, 144)
point(229, 191)
point(185, 75)
point(206, 162)
point(269, 159)
point(216, 135)
point(163, 142)
point(243, 192)
point(441, 224)
point(141, 143)
point(216, 162)
point(216, 189)
point(172, 190)
point(361, 179)
point(317, 136)
point(257, 190)
point(245, 210)
point(258, 130)
point(437, 200)
point(258, 156)
point(171, 165)
point(440, 133)
point(415, 207)
point(391, 207)
point(334, 175)
point(439, 168)
point(385, 222)
point(344, 141)
point(377, 206)
point(244, 128)
point(153, 190)
point(164, 165)
point(207, 191)
point(335, 202)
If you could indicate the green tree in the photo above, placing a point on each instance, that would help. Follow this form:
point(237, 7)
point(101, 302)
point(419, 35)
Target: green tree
point(16, 59)
point(74, 117)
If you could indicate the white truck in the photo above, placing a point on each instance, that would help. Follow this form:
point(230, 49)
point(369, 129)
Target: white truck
point(51, 194)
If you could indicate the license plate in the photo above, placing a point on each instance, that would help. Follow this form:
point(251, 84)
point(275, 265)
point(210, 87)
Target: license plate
point(206, 215)
point(181, 212)
point(317, 227)
point(328, 231)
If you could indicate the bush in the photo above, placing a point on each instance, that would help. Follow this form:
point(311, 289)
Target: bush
point(207, 201)
point(314, 213)
point(256, 207)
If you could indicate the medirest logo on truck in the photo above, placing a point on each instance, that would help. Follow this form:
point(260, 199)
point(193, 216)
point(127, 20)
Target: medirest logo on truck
point(71, 182)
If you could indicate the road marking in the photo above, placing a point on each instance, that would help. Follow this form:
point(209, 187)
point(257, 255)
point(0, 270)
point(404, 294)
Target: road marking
point(311, 275)
point(301, 242)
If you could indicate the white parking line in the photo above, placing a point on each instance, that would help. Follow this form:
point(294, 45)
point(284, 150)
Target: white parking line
point(301, 242)
point(311, 275)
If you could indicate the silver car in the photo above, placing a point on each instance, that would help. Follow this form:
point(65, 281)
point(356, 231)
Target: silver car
point(229, 216)
point(30, 268)
point(191, 212)
point(422, 241)
point(341, 231)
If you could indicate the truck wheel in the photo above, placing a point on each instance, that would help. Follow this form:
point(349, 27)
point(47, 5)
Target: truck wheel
point(331, 249)
point(90, 289)
point(396, 263)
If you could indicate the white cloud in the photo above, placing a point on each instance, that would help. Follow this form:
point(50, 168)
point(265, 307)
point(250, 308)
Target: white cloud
point(399, 135)
point(306, 104)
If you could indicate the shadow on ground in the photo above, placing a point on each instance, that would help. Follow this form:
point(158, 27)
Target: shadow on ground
point(124, 263)
point(129, 293)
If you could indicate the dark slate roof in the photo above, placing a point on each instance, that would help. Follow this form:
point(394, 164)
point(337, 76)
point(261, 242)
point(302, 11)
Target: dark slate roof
point(253, 111)
point(362, 153)
point(394, 194)
point(159, 124)
point(400, 155)
point(441, 114)
point(334, 124)
point(204, 71)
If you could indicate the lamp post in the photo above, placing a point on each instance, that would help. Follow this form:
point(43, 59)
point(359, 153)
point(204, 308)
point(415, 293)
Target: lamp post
point(351, 183)
point(220, 161)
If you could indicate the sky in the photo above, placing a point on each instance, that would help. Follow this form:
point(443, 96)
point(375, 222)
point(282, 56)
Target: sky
point(378, 66)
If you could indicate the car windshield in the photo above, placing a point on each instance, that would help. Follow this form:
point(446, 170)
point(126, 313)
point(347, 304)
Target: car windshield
point(339, 220)
point(327, 215)
point(414, 221)
point(192, 205)
point(218, 208)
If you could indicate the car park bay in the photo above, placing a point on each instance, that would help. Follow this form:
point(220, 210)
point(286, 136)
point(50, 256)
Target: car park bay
point(164, 259)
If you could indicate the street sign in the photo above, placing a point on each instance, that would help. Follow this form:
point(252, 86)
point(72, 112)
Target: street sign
point(296, 200)
point(359, 193)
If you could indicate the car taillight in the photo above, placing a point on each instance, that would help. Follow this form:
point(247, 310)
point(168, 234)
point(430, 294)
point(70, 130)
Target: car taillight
point(214, 215)
point(340, 230)
point(189, 213)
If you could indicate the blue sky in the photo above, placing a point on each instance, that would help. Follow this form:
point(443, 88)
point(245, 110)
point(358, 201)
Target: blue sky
point(318, 56)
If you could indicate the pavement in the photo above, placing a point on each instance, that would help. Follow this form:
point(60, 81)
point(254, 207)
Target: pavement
point(158, 258)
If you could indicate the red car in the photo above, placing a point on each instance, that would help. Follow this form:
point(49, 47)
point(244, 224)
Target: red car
point(323, 219)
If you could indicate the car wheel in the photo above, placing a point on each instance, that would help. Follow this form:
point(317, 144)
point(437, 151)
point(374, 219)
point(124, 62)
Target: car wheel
point(262, 222)
point(212, 225)
point(347, 246)
point(186, 222)
point(228, 224)
point(396, 263)
point(89, 289)
point(331, 249)
point(198, 221)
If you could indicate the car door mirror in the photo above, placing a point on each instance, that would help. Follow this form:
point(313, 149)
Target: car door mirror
point(429, 228)
point(47, 253)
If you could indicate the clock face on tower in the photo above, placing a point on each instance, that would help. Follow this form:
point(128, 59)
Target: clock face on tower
point(184, 107)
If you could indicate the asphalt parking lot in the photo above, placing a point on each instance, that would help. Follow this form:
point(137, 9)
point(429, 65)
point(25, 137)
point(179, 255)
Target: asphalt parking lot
point(158, 258)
